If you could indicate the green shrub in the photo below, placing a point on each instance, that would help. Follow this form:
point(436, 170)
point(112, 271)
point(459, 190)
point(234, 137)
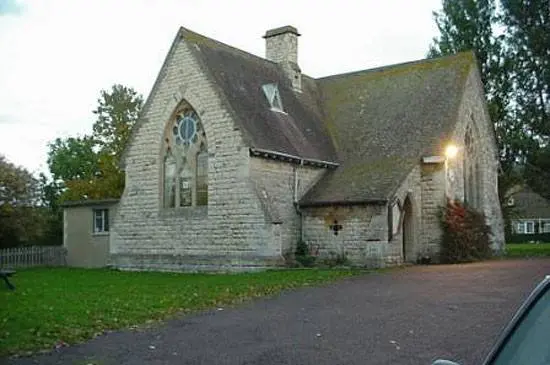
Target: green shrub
point(303, 255)
point(465, 234)
point(336, 259)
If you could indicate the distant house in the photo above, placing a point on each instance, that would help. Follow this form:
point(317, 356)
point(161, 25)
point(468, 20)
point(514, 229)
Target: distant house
point(530, 216)
point(236, 158)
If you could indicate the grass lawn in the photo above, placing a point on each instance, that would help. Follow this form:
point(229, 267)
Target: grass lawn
point(72, 305)
point(527, 249)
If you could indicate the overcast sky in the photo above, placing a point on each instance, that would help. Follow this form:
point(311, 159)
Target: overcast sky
point(56, 55)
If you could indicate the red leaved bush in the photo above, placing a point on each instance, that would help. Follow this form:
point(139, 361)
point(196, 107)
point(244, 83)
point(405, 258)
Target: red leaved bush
point(465, 234)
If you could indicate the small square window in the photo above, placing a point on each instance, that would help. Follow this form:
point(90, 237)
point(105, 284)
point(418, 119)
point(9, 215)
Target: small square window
point(545, 226)
point(101, 220)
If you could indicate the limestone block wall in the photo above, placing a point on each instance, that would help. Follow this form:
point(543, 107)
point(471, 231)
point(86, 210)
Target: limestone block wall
point(433, 186)
point(472, 114)
point(233, 228)
point(363, 236)
point(275, 182)
point(411, 189)
point(282, 48)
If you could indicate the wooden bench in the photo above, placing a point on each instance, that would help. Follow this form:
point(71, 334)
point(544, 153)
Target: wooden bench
point(5, 274)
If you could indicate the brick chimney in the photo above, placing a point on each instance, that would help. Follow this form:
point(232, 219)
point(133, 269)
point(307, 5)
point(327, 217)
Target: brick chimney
point(281, 46)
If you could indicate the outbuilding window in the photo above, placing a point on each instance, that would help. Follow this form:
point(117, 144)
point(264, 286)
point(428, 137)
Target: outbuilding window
point(101, 220)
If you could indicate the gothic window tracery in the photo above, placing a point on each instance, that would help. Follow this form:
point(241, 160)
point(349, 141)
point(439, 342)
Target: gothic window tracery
point(185, 172)
point(471, 170)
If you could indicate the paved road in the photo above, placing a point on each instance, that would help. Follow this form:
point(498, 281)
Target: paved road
point(405, 316)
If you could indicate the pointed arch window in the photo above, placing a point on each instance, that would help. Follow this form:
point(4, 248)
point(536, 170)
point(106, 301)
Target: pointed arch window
point(471, 170)
point(185, 176)
point(202, 176)
point(169, 179)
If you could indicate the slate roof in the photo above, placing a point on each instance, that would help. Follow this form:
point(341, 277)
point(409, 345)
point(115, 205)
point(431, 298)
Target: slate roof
point(382, 121)
point(376, 124)
point(529, 204)
point(240, 76)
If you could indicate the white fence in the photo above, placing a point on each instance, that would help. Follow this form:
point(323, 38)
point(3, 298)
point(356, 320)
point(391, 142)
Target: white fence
point(30, 256)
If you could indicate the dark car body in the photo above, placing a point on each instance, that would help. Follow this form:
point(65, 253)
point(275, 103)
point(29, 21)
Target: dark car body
point(526, 338)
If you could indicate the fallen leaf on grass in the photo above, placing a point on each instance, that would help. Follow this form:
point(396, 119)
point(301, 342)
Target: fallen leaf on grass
point(59, 344)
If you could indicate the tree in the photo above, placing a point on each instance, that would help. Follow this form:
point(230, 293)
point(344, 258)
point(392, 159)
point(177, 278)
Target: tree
point(512, 48)
point(50, 192)
point(117, 113)
point(73, 158)
point(537, 171)
point(20, 221)
point(88, 167)
point(528, 29)
point(470, 25)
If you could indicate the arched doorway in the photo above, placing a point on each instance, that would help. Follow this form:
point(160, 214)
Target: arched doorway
point(408, 230)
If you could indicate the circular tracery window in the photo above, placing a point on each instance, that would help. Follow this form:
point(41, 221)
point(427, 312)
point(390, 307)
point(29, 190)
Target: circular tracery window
point(185, 128)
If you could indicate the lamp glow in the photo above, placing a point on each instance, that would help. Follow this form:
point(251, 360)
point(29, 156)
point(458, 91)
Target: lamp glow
point(451, 151)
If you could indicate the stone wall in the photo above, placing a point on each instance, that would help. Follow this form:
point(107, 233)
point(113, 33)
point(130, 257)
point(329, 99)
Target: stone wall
point(282, 48)
point(411, 189)
point(250, 220)
point(473, 114)
point(433, 186)
point(276, 182)
point(234, 225)
point(363, 236)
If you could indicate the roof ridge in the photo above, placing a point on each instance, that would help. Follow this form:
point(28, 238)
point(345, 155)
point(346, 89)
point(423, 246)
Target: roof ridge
point(462, 54)
point(198, 38)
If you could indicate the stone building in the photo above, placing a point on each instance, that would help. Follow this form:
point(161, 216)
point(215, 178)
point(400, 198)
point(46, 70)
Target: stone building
point(236, 158)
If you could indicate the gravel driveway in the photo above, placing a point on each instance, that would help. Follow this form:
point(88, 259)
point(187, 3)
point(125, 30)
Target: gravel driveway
point(402, 316)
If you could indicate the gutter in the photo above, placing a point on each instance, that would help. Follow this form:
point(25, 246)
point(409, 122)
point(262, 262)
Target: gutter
point(344, 203)
point(291, 158)
point(90, 202)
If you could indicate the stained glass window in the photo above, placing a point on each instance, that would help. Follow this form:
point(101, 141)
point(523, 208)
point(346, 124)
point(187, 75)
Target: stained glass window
point(202, 176)
point(470, 170)
point(185, 128)
point(186, 160)
point(186, 180)
point(169, 181)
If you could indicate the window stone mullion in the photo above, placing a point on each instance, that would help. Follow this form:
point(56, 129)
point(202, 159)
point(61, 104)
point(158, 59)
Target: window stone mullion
point(178, 183)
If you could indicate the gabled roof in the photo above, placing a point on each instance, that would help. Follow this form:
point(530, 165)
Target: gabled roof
point(240, 76)
point(529, 204)
point(376, 124)
point(382, 121)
